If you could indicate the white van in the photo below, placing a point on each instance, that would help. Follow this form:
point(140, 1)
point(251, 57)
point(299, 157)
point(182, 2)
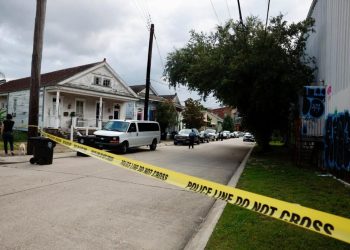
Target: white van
point(124, 134)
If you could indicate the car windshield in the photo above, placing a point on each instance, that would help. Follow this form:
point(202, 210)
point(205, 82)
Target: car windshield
point(119, 126)
point(185, 131)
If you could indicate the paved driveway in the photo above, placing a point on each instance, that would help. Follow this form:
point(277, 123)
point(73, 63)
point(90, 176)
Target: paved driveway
point(83, 203)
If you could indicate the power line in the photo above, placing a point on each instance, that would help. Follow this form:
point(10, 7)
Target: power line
point(143, 14)
point(149, 19)
point(144, 10)
point(158, 50)
point(216, 14)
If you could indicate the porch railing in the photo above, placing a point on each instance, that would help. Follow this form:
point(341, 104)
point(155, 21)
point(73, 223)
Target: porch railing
point(86, 125)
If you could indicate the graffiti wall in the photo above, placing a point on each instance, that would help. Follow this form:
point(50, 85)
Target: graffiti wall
point(313, 109)
point(337, 141)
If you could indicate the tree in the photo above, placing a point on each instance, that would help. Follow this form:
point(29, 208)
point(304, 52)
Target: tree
point(166, 115)
point(256, 70)
point(2, 115)
point(192, 115)
point(227, 124)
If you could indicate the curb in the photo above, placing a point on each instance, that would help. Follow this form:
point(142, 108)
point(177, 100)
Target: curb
point(26, 158)
point(201, 237)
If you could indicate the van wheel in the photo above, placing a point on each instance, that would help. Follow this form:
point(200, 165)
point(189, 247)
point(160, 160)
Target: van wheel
point(153, 146)
point(124, 148)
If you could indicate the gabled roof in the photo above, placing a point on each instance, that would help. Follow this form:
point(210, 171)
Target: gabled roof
point(139, 88)
point(169, 97)
point(47, 79)
point(221, 112)
point(215, 116)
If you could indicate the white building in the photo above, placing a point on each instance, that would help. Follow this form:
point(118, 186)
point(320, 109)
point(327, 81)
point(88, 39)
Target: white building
point(330, 45)
point(93, 93)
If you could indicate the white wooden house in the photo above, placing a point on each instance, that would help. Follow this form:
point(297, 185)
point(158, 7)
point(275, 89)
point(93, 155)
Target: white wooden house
point(94, 93)
point(154, 99)
point(179, 108)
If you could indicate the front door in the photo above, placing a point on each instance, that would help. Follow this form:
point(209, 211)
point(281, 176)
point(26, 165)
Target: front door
point(79, 112)
point(116, 109)
point(53, 116)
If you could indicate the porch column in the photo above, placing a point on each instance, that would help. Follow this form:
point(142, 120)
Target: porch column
point(57, 109)
point(100, 114)
point(135, 111)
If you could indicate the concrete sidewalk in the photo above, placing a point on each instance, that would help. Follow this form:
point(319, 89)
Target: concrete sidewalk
point(59, 152)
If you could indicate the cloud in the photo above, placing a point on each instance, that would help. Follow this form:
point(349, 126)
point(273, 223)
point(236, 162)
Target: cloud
point(80, 32)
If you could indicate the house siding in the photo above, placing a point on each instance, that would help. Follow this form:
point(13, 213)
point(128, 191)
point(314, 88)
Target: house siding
point(331, 48)
point(87, 82)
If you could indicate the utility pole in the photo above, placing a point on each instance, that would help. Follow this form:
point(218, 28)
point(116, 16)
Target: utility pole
point(240, 13)
point(36, 73)
point(148, 74)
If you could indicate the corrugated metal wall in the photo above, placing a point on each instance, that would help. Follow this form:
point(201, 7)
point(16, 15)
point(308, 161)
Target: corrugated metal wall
point(330, 45)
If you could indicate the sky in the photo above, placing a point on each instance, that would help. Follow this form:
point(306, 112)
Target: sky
point(85, 31)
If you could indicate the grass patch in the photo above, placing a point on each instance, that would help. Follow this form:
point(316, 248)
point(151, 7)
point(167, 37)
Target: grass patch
point(274, 175)
point(19, 136)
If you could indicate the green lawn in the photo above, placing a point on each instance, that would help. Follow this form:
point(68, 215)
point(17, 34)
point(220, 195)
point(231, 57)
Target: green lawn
point(274, 175)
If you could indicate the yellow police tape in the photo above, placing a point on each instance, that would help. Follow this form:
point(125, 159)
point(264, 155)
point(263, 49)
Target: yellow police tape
point(314, 220)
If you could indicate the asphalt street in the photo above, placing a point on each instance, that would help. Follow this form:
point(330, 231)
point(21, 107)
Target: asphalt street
point(83, 203)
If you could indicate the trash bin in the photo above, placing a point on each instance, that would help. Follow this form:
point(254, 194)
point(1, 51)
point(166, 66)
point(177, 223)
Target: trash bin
point(42, 150)
point(88, 140)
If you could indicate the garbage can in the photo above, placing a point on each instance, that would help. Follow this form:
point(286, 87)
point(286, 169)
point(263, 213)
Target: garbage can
point(88, 140)
point(42, 150)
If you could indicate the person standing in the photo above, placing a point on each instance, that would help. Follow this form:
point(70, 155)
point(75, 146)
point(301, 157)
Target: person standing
point(6, 132)
point(191, 136)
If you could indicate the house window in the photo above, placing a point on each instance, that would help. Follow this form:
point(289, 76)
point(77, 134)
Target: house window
point(106, 82)
point(97, 80)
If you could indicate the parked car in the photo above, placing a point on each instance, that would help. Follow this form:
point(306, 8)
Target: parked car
point(211, 134)
point(248, 137)
point(125, 134)
point(184, 138)
point(203, 137)
point(241, 134)
point(226, 134)
point(235, 134)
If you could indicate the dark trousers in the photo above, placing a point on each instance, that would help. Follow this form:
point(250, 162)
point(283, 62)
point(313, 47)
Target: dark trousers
point(8, 138)
point(191, 143)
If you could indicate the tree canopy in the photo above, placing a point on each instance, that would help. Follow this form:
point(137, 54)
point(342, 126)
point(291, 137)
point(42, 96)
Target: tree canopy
point(227, 123)
point(166, 115)
point(192, 114)
point(259, 70)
